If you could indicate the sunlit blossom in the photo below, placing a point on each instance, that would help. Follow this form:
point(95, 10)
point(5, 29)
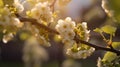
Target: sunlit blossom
point(80, 53)
point(66, 29)
point(18, 6)
point(42, 12)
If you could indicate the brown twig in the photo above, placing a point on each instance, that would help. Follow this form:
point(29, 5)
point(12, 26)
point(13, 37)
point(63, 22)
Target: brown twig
point(98, 47)
point(52, 5)
point(34, 22)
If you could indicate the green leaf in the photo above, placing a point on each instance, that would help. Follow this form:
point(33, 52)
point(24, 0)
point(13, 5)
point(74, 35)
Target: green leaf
point(116, 45)
point(97, 30)
point(8, 2)
point(109, 29)
point(109, 56)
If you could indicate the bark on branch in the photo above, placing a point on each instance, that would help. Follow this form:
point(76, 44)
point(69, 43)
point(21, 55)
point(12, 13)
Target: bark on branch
point(34, 22)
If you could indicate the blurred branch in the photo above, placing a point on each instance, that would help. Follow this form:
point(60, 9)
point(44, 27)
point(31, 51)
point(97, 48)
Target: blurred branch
point(52, 5)
point(34, 22)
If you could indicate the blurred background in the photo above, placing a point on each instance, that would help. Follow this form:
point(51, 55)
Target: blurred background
point(89, 11)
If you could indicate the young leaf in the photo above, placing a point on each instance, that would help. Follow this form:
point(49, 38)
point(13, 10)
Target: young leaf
point(116, 45)
point(109, 56)
point(109, 29)
point(97, 30)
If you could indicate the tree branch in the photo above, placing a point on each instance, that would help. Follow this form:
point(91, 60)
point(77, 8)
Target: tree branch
point(98, 47)
point(34, 22)
point(52, 5)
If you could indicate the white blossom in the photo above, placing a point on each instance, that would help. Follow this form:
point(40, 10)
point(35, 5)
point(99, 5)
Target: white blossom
point(66, 29)
point(87, 32)
point(18, 6)
point(42, 12)
point(33, 52)
point(7, 19)
point(7, 37)
point(99, 62)
point(80, 54)
point(17, 22)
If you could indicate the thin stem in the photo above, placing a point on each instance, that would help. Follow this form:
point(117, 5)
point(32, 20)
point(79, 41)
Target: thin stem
point(52, 5)
point(104, 38)
point(110, 42)
point(111, 37)
point(34, 22)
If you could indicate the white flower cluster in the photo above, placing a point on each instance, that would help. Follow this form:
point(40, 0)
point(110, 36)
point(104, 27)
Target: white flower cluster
point(42, 12)
point(66, 30)
point(87, 32)
point(18, 6)
point(7, 37)
point(81, 53)
point(82, 50)
point(99, 62)
point(33, 52)
point(7, 19)
point(37, 33)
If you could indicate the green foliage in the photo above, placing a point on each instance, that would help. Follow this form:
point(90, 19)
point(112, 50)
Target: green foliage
point(106, 29)
point(109, 29)
point(109, 56)
point(98, 30)
point(116, 45)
